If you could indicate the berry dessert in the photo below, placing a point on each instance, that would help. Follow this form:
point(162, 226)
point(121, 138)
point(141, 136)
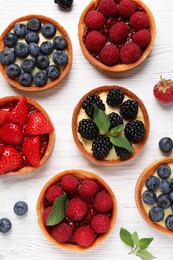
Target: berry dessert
point(116, 35)
point(110, 125)
point(35, 53)
point(154, 195)
point(76, 210)
point(26, 135)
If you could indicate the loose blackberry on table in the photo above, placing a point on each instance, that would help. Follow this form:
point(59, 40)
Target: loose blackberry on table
point(64, 3)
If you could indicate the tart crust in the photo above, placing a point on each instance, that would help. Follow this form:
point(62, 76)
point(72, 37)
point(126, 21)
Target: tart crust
point(53, 83)
point(40, 208)
point(50, 147)
point(119, 67)
point(138, 146)
point(150, 170)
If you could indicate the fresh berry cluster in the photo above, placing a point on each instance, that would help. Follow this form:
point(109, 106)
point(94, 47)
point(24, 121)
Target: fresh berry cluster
point(159, 196)
point(87, 214)
point(117, 33)
point(24, 135)
point(34, 53)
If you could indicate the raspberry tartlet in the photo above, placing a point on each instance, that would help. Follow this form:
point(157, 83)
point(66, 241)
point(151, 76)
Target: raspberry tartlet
point(116, 36)
point(154, 195)
point(88, 212)
point(35, 53)
point(110, 125)
point(26, 135)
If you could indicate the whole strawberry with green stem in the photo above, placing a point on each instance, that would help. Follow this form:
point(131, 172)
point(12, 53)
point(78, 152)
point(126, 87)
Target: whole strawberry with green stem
point(163, 90)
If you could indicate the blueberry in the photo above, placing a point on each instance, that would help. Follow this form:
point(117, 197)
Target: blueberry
point(5, 225)
point(156, 214)
point(34, 49)
point(166, 144)
point(13, 70)
point(169, 222)
point(60, 43)
point(53, 72)
point(164, 171)
point(152, 183)
point(60, 58)
point(32, 37)
point(171, 195)
point(42, 62)
point(34, 24)
point(26, 79)
point(10, 39)
point(20, 30)
point(46, 47)
point(171, 182)
point(149, 197)
point(7, 57)
point(164, 201)
point(27, 65)
point(20, 208)
point(21, 50)
point(48, 30)
point(165, 186)
point(40, 79)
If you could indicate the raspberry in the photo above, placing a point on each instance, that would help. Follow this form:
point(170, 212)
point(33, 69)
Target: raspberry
point(130, 53)
point(53, 192)
point(62, 232)
point(129, 109)
point(115, 97)
point(142, 37)
point(135, 131)
point(126, 8)
point(76, 209)
point(100, 223)
point(95, 41)
point(108, 7)
point(101, 147)
point(88, 129)
point(69, 183)
point(88, 188)
point(115, 120)
point(122, 152)
point(103, 201)
point(109, 55)
point(118, 32)
point(87, 105)
point(46, 213)
point(94, 20)
point(140, 20)
point(84, 236)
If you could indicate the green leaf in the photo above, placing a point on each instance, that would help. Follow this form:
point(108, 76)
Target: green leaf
point(116, 130)
point(121, 141)
point(125, 236)
point(101, 119)
point(57, 213)
point(144, 254)
point(144, 242)
point(135, 238)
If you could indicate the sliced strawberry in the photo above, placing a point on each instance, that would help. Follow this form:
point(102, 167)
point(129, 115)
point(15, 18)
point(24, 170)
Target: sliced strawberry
point(31, 149)
point(163, 90)
point(19, 114)
point(4, 117)
point(38, 124)
point(11, 134)
point(10, 160)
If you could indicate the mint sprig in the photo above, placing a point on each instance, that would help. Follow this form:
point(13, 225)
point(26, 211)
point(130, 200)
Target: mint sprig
point(138, 246)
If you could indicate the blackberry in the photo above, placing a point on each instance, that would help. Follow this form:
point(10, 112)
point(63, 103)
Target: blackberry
point(129, 109)
point(64, 3)
point(135, 131)
point(87, 105)
point(115, 97)
point(122, 152)
point(101, 147)
point(115, 120)
point(88, 129)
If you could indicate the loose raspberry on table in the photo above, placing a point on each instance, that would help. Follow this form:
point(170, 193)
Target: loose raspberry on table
point(100, 223)
point(62, 232)
point(119, 32)
point(53, 192)
point(94, 20)
point(109, 55)
point(139, 20)
point(84, 236)
point(108, 7)
point(76, 209)
point(103, 201)
point(142, 37)
point(46, 213)
point(69, 183)
point(95, 41)
point(88, 188)
point(126, 8)
point(130, 53)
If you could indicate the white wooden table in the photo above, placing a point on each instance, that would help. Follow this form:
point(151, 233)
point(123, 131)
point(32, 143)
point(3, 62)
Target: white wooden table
point(26, 241)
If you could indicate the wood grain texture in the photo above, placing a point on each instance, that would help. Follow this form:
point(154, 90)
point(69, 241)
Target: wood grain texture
point(26, 241)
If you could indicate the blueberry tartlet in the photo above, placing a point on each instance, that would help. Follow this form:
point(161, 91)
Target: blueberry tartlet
point(154, 195)
point(35, 53)
point(26, 135)
point(116, 35)
point(76, 210)
point(110, 125)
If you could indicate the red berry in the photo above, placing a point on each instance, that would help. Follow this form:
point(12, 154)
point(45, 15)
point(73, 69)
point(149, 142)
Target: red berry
point(31, 150)
point(88, 188)
point(119, 32)
point(46, 213)
point(103, 201)
point(94, 20)
point(142, 37)
point(100, 223)
point(109, 55)
point(130, 53)
point(126, 8)
point(108, 7)
point(1, 149)
point(19, 114)
point(84, 236)
point(4, 117)
point(163, 90)
point(76, 209)
point(12, 134)
point(53, 192)
point(62, 232)
point(95, 41)
point(140, 20)
point(69, 183)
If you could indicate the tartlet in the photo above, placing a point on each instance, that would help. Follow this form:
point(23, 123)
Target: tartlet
point(80, 175)
point(120, 66)
point(63, 70)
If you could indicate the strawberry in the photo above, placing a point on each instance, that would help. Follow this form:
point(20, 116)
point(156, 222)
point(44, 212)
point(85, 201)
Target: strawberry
point(10, 160)
point(31, 149)
point(11, 134)
point(163, 90)
point(1, 148)
point(4, 117)
point(19, 114)
point(38, 124)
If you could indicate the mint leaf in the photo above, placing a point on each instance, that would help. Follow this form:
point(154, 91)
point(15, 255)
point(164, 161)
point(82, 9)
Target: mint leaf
point(144, 242)
point(121, 141)
point(125, 236)
point(116, 130)
point(101, 119)
point(144, 254)
point(135, 238)
point(57, 213)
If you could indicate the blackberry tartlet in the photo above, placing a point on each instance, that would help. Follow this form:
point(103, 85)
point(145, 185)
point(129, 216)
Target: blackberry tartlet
point(86, 206)
point(110, 125)
point(35, 53)
point(115, 35)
